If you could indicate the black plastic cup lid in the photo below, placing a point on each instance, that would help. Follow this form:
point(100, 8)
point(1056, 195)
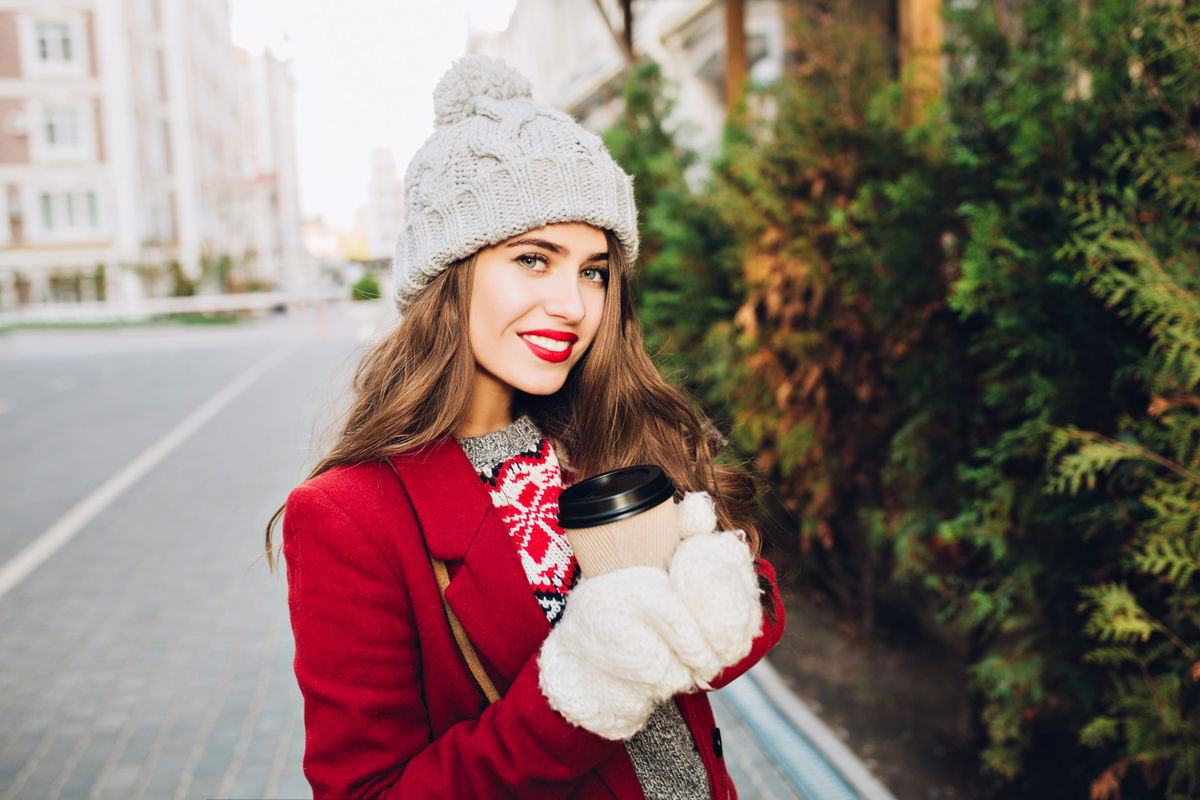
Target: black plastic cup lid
point(612, 496)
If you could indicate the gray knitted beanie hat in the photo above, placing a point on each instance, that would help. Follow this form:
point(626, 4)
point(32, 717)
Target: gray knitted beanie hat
point(499, 164)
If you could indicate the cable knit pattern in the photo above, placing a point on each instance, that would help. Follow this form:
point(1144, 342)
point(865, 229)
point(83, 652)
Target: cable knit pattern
point(499, 164)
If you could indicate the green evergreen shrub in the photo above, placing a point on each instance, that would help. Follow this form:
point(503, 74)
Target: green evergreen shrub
point(1136, 233)
point(100, 282)
point(181, 284)
point(914, 338)
point(366, 288)
point(842, 363)
point(685, 280)
point(1033, 110)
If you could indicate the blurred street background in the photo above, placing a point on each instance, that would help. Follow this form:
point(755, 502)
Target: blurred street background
point(932, 266)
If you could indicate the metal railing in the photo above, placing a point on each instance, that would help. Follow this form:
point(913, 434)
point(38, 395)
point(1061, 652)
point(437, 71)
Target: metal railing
point(144, 309)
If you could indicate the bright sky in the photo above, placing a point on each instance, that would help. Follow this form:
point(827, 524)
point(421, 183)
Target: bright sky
point(365, 72)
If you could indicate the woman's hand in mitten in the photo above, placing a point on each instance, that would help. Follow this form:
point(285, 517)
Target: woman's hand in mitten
point(632, 638)
point(616, 652)
point(712, 573)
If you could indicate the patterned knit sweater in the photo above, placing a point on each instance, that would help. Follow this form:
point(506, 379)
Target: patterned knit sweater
point(524, 477)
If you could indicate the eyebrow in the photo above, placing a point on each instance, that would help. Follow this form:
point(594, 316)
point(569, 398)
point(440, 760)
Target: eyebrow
point(556, 249)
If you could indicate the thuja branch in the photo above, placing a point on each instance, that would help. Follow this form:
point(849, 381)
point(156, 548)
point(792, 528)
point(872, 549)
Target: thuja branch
point(1136, 451)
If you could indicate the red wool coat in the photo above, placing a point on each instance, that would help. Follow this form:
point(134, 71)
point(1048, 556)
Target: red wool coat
point(390, 707)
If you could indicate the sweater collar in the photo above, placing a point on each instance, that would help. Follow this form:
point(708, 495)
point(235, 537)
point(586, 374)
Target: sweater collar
point(485, 452)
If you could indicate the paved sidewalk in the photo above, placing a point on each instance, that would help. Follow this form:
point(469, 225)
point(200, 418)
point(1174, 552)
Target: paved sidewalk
point(151, 656)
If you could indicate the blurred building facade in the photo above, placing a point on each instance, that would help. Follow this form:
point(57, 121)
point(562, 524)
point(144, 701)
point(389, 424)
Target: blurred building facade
point(269, 190)
point(383, 216)
point(140, 152)
point(569, 54)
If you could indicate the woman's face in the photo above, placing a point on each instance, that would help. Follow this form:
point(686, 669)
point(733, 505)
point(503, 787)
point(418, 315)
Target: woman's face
point(535, 307)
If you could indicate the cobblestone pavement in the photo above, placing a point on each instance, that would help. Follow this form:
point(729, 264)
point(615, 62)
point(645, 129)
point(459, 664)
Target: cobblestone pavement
point(150, 657)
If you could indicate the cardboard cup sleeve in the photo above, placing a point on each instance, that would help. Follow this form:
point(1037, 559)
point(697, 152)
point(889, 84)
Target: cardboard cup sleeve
point(648, 538)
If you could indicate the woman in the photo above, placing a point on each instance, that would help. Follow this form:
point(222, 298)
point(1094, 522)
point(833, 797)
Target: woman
point(518, 368)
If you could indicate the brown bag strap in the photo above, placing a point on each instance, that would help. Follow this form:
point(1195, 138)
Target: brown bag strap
point(460, 635)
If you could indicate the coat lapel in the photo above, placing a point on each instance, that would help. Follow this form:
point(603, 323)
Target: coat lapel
point(488, 590)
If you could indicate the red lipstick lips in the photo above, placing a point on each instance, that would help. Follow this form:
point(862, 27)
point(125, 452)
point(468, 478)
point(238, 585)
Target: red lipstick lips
point(560, 336)
point(545, 353)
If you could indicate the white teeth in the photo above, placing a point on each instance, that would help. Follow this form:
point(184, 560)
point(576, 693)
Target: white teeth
point(549, 344)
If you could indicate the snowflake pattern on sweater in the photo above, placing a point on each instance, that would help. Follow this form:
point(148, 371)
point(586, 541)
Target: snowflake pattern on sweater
point(524, 488)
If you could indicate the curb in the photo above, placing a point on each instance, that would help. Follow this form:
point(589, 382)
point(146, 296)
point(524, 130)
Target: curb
point(810, 755)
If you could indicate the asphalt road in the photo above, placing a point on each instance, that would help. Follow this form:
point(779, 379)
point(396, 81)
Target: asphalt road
point(148, 654)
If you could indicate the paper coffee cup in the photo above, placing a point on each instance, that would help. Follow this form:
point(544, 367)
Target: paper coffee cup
point(621, 518)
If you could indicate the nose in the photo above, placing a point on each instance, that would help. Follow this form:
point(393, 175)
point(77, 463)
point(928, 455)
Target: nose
point(564, 298)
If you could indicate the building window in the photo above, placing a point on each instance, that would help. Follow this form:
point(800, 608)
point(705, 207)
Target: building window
point(54, 45)
point(54, 41)
point(62, 128)
point(69, 215)
point(64, 131)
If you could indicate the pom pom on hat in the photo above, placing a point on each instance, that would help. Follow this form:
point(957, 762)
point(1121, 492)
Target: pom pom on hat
point(472, 77)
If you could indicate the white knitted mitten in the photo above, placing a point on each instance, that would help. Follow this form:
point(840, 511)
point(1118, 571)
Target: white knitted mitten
point(632, 638)
point(712, 572)
point(616, 652)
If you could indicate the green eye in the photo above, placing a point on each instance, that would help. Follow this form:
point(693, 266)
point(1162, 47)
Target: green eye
point(601, 274)
point(530, 260)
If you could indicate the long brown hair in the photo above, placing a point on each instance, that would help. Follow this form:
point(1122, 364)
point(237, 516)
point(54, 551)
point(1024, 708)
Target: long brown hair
point(614, 410)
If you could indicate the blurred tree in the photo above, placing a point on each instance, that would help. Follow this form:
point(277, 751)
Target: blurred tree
point(842, 345)
point(622, 36)
point(914, 338)
point(920, 40)
point(366, 288)
point(100, 282)
point(962, 349)
point(735, 54)
point(684, 281)
point(181, 284)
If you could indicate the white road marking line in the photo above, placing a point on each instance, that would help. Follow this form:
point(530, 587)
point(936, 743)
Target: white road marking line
point(49, 541)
